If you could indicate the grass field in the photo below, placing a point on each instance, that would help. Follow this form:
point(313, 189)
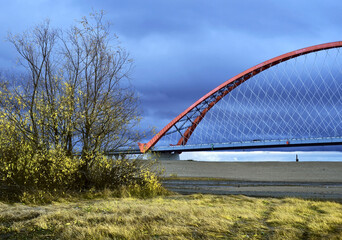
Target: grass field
point(174, 217)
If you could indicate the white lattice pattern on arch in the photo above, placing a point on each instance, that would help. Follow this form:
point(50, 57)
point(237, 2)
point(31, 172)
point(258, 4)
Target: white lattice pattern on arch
point(297, 99)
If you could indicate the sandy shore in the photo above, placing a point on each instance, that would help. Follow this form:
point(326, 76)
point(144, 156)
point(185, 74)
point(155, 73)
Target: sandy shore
point(258, 171)
point(278, 179)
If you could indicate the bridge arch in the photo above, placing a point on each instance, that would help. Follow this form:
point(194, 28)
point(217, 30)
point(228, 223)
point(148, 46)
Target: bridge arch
point(203, 105)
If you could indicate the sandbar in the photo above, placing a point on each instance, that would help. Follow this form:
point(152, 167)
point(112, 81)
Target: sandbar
point(322, 180)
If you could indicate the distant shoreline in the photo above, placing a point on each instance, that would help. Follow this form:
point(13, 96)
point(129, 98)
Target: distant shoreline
point(229, 161)
point(246, 156)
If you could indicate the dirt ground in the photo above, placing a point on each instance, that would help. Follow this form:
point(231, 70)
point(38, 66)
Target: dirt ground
point(275, 179)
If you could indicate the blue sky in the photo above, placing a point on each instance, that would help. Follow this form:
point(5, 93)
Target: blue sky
point(184, 48)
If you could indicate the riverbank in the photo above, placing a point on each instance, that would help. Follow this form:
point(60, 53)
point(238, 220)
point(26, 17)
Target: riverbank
point(257, 171)
point(313, 180)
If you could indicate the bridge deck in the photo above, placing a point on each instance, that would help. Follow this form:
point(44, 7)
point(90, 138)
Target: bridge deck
point(278, 145)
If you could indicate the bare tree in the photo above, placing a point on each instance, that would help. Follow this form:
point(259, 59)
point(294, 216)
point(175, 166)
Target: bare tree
point(107, 110)
point(40, 84)
point(76, 95)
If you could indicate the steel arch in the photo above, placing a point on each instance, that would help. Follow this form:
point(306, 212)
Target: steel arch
point(215, 95)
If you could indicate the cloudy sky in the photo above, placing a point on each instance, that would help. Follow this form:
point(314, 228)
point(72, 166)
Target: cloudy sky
point(184, 48)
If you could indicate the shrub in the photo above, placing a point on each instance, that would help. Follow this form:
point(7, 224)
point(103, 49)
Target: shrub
point(34, 175)
point(44, 175)
point(149, 187)
point(26, 170)
point(134, 177)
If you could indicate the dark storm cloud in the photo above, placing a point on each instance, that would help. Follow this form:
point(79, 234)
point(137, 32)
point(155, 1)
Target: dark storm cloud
point(255, 17)
point(183, 49)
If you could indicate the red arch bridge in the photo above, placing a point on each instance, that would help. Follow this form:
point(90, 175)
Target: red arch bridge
point(293, 100)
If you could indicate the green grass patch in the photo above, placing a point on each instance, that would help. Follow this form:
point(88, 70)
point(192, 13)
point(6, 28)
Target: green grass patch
point(173, 217)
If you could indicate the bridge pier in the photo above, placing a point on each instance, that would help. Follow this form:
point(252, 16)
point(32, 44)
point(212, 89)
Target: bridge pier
point(163, 156)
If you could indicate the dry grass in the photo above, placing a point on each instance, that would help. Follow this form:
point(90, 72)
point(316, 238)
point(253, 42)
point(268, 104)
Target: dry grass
point(174, 217)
